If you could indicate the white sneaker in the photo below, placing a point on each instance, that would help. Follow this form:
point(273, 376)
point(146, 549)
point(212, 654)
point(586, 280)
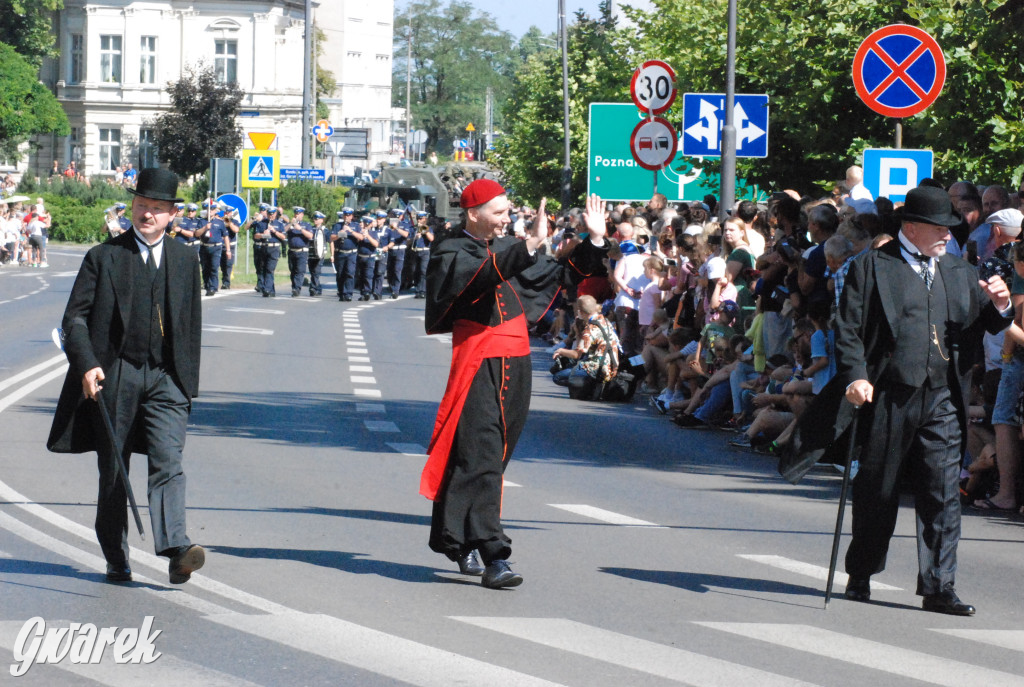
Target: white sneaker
point(678, 397)
point(44, 264)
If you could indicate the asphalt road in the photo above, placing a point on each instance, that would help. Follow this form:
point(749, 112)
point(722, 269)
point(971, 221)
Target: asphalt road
point(652, 555)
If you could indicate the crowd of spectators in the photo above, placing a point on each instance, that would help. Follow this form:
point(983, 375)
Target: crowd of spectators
point(23, 234)
point(728, 324)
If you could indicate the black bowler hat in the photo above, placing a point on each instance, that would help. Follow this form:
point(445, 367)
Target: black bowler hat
point(158, 184)
point(928, 205)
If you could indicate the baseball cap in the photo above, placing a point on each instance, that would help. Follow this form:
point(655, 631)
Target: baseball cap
point(1009, 219)
point(716, 269)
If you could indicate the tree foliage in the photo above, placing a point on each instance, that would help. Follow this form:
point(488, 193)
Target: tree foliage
point(456, 54)
point(202, 122)
point(27, 108)
point(530, 152)
point(27, 26)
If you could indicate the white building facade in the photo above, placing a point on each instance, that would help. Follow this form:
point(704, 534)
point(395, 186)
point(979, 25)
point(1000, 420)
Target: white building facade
point(118, 56)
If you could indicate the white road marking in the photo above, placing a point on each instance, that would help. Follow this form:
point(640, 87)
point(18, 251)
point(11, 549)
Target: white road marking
point(11, 381)
point(604, 515)
point(633, 653)
point(416, 317)
point(807, 569)
point(4, 554)
point(375, 651)
point(508, 483)
point(370, 393)
point(15, 396)
point(870, 654)
point(229, 329)
point(408, 449)
point(381, 426)
point(358, 351)
point(166, 670)
point(1006, 639)
point(262, 311)
point(360, 368)
point(355, 339)
point(364, 380)
point(370, 408)
point(358, 359)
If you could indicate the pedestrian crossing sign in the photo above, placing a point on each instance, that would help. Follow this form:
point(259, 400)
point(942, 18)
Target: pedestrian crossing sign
point(261, 168)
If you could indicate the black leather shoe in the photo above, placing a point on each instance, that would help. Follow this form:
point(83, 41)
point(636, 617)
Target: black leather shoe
point(497, 575)
point(946, 602)
point(185, 562)
point(858, 589)
point(394, 296)
point(209, 292)
point(470, 564)
point(118, 572)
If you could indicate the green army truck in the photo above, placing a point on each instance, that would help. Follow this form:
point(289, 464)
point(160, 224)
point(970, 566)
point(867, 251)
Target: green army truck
point(434, 189)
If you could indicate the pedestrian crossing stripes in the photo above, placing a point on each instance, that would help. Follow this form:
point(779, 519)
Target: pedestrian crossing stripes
point(360, 368)
point(1006, 639)
point(604, 515)
point(631, 652)
point(816, 571)
point(370, 393)
point(936, 670)
point(358, 359)
point(364, 380)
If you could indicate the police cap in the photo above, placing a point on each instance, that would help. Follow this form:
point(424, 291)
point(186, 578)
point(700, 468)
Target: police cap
point(381, 213)
point(319, 215)
point(365, 219)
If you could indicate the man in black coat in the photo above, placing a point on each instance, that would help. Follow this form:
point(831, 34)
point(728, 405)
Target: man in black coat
point(910, 322)
point(484, 290)
point(132, 327)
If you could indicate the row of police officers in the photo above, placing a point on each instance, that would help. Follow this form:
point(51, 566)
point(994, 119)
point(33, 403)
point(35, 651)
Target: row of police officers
point(214, 238)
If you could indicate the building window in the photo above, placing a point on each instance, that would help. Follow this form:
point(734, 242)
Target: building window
point(147, 60)
point(76, 65)
point(110, 59)
point(147, 149)
point(110, 149)
point(226, 61)
point(75, 145)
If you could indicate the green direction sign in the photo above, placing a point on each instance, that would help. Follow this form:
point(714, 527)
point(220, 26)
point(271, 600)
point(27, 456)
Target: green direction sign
point(613, 174)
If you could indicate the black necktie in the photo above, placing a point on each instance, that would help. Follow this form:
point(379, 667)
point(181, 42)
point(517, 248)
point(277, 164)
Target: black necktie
point(925, 262)
point(151, 259)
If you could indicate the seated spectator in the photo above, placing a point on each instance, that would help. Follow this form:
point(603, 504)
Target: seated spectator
point(679, 341)
point(595, 352)
point(714, 399)
point(655, 351)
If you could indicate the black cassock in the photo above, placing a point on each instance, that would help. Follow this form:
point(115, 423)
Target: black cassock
point(484, 292)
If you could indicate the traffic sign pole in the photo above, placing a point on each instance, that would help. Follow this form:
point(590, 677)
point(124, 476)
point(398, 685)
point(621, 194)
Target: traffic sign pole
point(727, 192)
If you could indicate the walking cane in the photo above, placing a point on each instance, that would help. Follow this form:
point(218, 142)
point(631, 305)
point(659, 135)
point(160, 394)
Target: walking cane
point(108, 427)
point(842, 506)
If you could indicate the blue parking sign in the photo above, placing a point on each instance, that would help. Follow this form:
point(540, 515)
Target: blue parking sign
point(892, 172)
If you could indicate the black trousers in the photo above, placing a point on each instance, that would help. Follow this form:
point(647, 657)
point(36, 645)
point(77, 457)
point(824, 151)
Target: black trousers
point(209, 262)
point(265, 272)
point(297, 263)
point(259, 261)
point(467, 510)
point(314, 275)
point(228, 264)
point(345, 270)
point(914, 433)
point(396, 262)
point(380, 268)
point(421, 258)
point(146, 404)
point(365, 266)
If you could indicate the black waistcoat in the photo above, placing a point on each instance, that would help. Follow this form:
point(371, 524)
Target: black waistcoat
point(922, 352)
point(149, 325)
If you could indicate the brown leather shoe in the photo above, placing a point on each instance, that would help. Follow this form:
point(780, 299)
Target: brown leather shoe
point(186, 562)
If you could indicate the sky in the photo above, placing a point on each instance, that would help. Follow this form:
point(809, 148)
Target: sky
point(519, 15)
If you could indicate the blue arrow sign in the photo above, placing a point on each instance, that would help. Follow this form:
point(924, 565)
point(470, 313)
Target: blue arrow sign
point(237, 203)
point(704, 117)
point(261, 168)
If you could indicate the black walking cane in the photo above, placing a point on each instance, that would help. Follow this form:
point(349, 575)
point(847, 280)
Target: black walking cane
point(842, 506)
point(108, 427)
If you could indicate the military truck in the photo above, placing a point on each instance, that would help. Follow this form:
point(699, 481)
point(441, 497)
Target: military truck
point(434, 189)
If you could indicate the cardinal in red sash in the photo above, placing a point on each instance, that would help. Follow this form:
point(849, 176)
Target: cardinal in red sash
point(484, 288)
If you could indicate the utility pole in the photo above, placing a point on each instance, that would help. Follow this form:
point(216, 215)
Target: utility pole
point(408, 90)
point(307, 60)
point(489, 117)
point(566, 168)
point(728, 183)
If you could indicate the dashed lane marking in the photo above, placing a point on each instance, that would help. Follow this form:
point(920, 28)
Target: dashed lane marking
point(261, 311)
point(632, 652)
point(360, 368)
point(605, 515)
point(370, 408)
point(881, 656)
point(364, 380)
point(370, 393)
point(381, 426)
point(358, 359)
point(230, 329)
point(408, 449)
point(801, 568)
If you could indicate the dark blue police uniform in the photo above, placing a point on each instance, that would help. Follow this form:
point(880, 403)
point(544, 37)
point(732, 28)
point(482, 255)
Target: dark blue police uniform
point(366, 258)
point(344, 247)
point(399, 238)
point(299, 235)
point(227, 262)
point(214, 232)
point(422, 238)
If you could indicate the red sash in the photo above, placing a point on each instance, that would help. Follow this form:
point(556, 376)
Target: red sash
point(471, 343)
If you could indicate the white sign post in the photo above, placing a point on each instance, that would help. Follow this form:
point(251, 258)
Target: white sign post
point(653, 141)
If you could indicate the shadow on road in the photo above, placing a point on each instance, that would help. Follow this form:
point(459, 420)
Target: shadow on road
point(357, 563)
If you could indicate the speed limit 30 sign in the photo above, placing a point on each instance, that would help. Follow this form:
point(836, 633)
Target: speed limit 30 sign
point(653, 87)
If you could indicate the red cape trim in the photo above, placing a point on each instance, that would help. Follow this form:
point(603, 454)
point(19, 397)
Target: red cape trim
point(471, 344)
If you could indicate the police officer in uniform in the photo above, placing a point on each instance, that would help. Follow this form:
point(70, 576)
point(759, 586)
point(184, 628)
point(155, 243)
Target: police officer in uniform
point(227, 258)
point(382, 232)
point(344, 245)
point(422, 238)
point(399, 232)
point(214, 237)
point(315, 261)
point(300, 233)
point(366, 256)
point(188, 226)
point(124, 222)
point(258, 224)
point(268, 235)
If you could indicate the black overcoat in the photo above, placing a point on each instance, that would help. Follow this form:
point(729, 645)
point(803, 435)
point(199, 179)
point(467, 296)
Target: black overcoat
point(95, 326)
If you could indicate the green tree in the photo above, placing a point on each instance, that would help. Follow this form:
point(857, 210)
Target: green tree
point(530, 152)
point(27, 26)
point(27, 108)
point(202, 122)
point(456, 54)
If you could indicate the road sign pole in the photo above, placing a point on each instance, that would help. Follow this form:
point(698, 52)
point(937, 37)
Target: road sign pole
point(563, 37)
point(899, 134)
point(727, 195)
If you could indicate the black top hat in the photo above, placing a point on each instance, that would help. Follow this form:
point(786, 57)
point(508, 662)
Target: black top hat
point(929, 205)
point(158, 184)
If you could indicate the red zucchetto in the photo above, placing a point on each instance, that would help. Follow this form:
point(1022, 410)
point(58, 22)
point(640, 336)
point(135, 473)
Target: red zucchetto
point(479, 192)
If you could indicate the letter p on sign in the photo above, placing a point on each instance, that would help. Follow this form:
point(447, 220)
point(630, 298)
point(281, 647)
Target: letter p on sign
point(892, 172)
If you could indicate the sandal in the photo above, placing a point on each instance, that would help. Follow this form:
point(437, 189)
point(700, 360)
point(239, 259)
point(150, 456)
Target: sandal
point(989, 506)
